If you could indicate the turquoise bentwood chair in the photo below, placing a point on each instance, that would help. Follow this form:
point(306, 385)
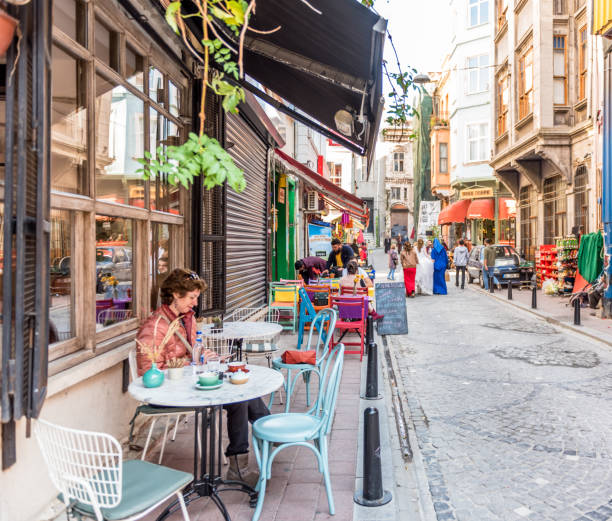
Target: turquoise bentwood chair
point(309, 429)
point(323, 323)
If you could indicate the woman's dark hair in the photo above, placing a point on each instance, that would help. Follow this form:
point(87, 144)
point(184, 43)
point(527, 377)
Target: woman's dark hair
point(408, 246)
point(180, 281)
point(352, 268)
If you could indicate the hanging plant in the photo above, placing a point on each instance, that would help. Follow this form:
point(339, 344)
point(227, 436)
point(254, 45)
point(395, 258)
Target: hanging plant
point(202, 154)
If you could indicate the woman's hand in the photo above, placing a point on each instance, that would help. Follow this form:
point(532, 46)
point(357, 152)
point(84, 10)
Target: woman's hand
point(210, 355)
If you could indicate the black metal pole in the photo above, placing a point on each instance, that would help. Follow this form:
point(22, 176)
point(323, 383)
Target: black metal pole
point(371, 392)
point(510, 290)
point(369, 332)
point(373, 494)
point(491, 290)
point(577, 311)
point(534, 297)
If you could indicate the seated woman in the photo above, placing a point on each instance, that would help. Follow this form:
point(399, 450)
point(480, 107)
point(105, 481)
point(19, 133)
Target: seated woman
point(179, 293)
point(348, 282)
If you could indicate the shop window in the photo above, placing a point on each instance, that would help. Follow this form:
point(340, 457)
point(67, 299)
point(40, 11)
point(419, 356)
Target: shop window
point(443, 157)
point(68, 124)
point(70, 17)
point(106, 47)
point(478, 74)
point(114, 270)
point(119, 142)
point(161, 258)
point(559, 71)
point(582, 62)
point(156, 85)
point(528, 205)
point(61, 288)
point(478, 141)
point(174, 99)
point(525, 86)
point(134, 68)
point(478, 12)
point(581, 199)
point(555, 200)
point(162, 132)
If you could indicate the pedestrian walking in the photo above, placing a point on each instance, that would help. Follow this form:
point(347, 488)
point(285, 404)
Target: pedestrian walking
point(387, 243)
point(409, 260)
point(393, 258)
point(488, 265)
point(460, 258)
point(440, 258)
point(424, 271)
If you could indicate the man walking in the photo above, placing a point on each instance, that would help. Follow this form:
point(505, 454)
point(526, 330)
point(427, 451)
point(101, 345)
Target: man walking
point(460, 258)
point(488, 265)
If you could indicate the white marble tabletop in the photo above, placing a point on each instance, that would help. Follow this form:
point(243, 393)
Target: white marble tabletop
point(246, 330)
point(182, 393)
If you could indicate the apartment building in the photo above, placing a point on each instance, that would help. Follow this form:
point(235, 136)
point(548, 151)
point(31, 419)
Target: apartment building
point(543, 135)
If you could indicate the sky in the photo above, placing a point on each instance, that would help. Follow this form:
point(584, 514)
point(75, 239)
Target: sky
point(420, 30)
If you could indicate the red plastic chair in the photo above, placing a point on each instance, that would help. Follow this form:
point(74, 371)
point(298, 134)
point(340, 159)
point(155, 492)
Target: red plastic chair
point(352, 313)
point(345, 290)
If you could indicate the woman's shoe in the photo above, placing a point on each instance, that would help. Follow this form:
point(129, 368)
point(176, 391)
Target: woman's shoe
point(376, 316)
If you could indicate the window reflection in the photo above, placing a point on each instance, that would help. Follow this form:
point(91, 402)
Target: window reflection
point(119, 142)
point(160, 259)
point(70, 17)
point(156, 85)
point(114, 270)
point(61, 312)
point(106, 45)
point(68, 124)
point(174, 99)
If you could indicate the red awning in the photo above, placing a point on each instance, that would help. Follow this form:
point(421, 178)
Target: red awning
point(507, 208)
point(454, 213)
point(481, 209)
point(338, 197)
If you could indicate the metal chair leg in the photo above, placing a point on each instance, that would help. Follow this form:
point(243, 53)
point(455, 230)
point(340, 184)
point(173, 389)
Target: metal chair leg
point(144, 451)
point(161, 452)
point(176, 427)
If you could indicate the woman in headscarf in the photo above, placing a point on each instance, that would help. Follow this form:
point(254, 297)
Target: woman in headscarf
point(440, 258)
point(424, 270)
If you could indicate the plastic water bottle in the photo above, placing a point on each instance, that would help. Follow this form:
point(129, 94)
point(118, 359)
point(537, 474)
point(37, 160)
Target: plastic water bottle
point(198, 353)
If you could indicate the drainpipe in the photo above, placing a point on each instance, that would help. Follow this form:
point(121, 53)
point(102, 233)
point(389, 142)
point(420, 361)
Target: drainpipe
point(496, 194)
point(607, 177)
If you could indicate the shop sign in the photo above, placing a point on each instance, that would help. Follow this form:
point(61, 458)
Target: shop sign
point(319, 240)
point(475, 193)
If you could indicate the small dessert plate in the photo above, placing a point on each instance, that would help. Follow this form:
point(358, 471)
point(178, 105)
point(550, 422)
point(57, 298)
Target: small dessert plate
point(207, 387)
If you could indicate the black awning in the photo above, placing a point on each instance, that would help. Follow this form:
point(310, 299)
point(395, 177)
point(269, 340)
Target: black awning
point(326, 56)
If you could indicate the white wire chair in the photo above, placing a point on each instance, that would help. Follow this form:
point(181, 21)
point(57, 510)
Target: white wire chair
point(220, 345)
point(154, 413)
point(88, 470)
point(114, 315)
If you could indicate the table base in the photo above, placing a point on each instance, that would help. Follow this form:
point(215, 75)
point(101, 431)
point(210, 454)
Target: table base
point(207, 466)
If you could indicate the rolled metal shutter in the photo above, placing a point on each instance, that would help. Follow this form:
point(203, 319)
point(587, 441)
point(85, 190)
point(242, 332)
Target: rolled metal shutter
point(246, 246)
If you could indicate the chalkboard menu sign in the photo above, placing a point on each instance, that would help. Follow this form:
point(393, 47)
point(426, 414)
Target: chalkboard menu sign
point(391, 302)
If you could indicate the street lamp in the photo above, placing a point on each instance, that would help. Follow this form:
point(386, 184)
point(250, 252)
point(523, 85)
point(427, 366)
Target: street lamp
point(421, 79)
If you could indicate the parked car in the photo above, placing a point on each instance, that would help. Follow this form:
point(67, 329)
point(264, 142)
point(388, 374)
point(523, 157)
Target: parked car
point(115, 261)
point(507, 264)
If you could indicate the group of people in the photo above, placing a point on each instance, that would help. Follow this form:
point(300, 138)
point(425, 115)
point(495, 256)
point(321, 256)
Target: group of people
point(424, 267)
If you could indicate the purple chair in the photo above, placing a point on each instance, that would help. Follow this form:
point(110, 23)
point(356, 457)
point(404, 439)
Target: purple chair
point(352, 312)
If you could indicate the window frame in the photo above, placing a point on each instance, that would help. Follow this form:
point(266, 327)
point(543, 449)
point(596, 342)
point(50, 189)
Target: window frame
point(443, 170)
point(501, 7)
point(84, 207)
point(564, 77)
point(479, 69)
point(503, 84)
point(581, 198)
point(398, 162)
point(525, 96)
point(482, 140)
point(478, 5)
point(582, 62)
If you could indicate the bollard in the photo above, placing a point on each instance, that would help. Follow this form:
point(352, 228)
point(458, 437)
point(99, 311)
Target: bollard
point(534, 297)
point(491, 289)
point(577, 311)
point(369, 331)
point(373, 494)
point(510, 290)
point(371, 392)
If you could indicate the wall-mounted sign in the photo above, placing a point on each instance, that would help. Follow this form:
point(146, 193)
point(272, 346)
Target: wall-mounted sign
point(475, 193)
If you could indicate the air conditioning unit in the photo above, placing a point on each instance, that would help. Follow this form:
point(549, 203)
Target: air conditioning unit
point(312, 201)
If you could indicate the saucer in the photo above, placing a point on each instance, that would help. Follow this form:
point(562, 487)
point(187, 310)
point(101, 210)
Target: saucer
point(207, 387)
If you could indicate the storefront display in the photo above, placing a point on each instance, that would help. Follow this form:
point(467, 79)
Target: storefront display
point(567, 263)
point(546, 263)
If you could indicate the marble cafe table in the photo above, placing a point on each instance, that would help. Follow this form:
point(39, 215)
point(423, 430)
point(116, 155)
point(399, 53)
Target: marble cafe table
point(208, 409)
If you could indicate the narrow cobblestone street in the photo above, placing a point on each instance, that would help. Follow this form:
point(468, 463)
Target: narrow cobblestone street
point(512, 415)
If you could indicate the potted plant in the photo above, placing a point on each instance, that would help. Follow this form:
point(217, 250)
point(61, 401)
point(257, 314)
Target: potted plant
point(176, 368)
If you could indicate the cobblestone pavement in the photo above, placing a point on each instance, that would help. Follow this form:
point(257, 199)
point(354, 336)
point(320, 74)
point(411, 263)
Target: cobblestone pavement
point(513, 416)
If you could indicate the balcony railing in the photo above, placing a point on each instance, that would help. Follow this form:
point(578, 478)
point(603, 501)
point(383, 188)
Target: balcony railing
point(440, 120)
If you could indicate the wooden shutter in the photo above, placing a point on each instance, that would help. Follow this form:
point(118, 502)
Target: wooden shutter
point(25, 224)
